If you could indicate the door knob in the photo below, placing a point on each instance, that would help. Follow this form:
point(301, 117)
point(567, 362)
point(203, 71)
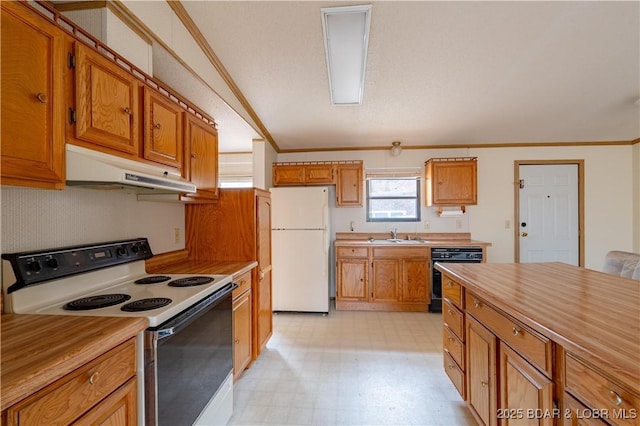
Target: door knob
point(523, 234)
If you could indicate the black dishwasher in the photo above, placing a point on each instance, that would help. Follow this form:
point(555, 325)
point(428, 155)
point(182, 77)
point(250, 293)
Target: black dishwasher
point(448, 255)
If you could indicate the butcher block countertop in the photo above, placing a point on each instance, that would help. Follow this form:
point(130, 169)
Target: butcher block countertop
point(39, 349)
point(594, 315)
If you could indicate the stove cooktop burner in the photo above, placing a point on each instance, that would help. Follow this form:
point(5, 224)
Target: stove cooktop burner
point(152, 279)
point(190, 281)
point(96, 302)
point(146, 304)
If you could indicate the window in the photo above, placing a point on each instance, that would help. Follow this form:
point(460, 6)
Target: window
point(393, 199)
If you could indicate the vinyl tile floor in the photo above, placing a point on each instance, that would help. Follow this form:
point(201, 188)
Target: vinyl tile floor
point(350, 368)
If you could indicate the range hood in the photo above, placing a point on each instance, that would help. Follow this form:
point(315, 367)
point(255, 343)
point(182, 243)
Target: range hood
point(94, 169)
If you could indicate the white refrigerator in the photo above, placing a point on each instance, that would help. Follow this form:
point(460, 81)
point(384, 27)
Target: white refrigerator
point(300, 245)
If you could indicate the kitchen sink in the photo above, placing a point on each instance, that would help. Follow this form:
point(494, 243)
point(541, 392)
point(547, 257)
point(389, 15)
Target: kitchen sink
point(396, 241)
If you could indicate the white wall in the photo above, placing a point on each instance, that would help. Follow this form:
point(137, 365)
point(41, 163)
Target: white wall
point(35, 219)
point(636, 198)
point(610, 212)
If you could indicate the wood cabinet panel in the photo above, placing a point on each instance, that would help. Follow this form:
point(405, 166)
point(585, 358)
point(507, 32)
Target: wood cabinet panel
point(319, 174)
point(523, 391)
point(163, 134)
point(241, 333)
point(415, 280)
point(599, 392)
point(453, 346)
point(385, 280)
point(455, 373)
point(451, 181)
point(352, 252)
point(352, 279)
point(80, 390)
point(529, 344)
point(107, 104)
point(453, 319)
point(288, 175)
point(118, 409)
point(481, 373)
point(452, 291)
point(349, 185)
point(576, 414)
point(201, 158)
point(33, 110)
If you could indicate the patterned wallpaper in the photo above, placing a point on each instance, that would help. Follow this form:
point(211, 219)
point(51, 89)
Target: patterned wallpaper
point(35, 219)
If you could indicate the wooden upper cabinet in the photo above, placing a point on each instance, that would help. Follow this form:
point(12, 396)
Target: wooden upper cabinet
point(349, 184)
point(33, 110)
point(201, 152)
point(290, 174)
point(163, 134)
point(319, 174)
point(451, 181)
point(106, 103)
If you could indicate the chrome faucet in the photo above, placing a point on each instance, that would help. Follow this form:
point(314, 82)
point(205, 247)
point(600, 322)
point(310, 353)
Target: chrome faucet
point(394, 233)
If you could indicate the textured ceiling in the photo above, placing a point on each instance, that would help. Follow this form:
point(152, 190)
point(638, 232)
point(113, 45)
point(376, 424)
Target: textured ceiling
point(438, 72)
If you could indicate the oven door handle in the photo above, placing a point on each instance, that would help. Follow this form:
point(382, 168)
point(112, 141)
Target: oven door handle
point(173, 326)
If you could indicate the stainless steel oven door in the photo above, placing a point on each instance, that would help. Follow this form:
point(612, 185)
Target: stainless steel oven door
point(187, 358)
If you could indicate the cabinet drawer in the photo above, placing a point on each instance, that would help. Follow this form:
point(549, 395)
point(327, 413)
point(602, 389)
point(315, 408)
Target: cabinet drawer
point(455, 374)
point(352, 252)
point(70, 397)
point(419, 252)
point(451, 290)
point(535, 348)
point(576, 414)
point(453, 346)
point(244, 284)
point(453, 319)
point(598, 392)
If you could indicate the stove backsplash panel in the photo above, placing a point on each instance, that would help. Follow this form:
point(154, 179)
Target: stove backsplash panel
point(33, 219)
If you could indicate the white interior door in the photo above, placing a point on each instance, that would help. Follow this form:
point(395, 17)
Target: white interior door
point(548, 206)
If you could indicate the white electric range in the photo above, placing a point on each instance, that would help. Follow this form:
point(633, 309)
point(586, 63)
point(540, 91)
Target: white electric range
point(109, 279)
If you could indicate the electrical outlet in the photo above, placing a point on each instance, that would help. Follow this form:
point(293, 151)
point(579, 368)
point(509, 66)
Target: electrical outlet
point(458, 224)
point(426, 224)
point(177, 237)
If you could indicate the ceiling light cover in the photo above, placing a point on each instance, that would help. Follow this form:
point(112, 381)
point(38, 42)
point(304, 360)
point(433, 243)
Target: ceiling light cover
point(396, 149)
point(346, 39)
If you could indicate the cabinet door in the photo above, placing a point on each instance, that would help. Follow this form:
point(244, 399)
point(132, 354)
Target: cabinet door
point(576, 414)
point(201, 165)
point(288, 175)
point(481, 373)
point(119, 408)
point(349, 185)
point(241, 333)
point(32, 131)
point(318, 174)
point(352, 279)
point(385, 280)
point(415, 282)
point(264, 311)
point(523, 390)
point(163, 135)
point(106, 103)
point(452, 182)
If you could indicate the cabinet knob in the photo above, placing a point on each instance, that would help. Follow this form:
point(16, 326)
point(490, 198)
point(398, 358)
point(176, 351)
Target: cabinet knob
point(476, 303)
point(450, 367)
point(157, 126)
point(617, 398)
point(42, 98)
point(94, 377)
point(516, 331)
point(483, 383)
point(126, 110)
point(237, 341)
point(194, 156)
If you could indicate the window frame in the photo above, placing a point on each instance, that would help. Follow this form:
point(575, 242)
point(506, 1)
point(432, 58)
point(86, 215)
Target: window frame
point(393, 219)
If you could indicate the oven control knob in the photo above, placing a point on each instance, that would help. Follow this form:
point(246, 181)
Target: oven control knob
point(52, 263)
point(34, 266)
point(135, 248)
point(121, 251)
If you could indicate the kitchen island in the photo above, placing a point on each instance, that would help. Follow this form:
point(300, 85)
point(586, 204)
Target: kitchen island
point(542, 343)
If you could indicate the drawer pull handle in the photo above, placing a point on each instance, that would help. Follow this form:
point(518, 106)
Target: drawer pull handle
point(476, 303)
point(237, 341)
point(42, 98)
point(449, 311)
point(450, 283)
point(126, 110)
point(617, 397)
point(483, 383)
point(516, 331)
point(450, 367)
point(94, 377)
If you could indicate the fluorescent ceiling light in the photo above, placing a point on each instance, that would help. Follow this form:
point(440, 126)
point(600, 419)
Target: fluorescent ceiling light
point(346, 37)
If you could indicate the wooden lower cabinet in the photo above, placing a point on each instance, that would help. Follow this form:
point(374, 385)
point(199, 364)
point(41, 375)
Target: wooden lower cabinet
point(242, 330)
point(382, 278)
point(102, 391)
point(576, 414)
point(481, 373)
